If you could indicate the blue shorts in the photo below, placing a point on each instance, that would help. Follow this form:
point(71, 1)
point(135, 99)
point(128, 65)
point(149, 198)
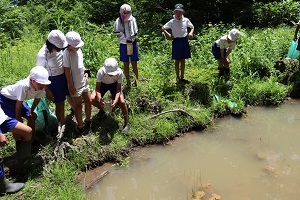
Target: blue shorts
point(59, 87)
point(9, 107)
point(181, 48)
point(216, 51)
point(109, 87)
point(123, 53)
point(8, 124)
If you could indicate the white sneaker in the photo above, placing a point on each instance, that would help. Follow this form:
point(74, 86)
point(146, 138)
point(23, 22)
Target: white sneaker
point(126, 129)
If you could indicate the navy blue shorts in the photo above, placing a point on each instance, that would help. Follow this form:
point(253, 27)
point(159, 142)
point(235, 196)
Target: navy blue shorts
point(59, 87)
point(216, 51)
point(181, 48)
point(123, 53)
point(109, 87)
point(9, 107)
point(8, 124)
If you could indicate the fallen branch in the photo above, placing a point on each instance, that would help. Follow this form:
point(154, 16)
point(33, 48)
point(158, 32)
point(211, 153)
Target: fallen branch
point(168, 111)
point(58, 141)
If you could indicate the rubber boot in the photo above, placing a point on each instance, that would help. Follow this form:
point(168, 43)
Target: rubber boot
point(24, 155)
point(7, 187)
point(227, 73)
point(221, 72)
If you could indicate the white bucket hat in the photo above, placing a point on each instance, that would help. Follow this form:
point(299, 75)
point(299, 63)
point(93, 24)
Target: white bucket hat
point(74, 39)
point(233, 34)
point(40, 75)
point(111, 66)
point(57, 38)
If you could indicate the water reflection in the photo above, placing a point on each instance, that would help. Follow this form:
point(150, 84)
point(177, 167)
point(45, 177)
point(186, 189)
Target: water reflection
point(256, 157)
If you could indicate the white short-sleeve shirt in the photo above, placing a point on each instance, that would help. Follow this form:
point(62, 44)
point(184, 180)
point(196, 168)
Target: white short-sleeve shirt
point(22, 91)
point(3, 116)
point(105, 78)
point(53, 62)
point(223, 44)
point(74, 61)
point(179, 27)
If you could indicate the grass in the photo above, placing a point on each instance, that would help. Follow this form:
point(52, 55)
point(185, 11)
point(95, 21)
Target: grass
point(254, 81)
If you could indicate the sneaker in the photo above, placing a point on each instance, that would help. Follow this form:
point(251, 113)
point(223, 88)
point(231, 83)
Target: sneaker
point(80, 130)
point(184, 80)
point(87, 123)
point(126, 129)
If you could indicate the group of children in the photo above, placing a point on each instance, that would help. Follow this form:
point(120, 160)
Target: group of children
point(60, 75)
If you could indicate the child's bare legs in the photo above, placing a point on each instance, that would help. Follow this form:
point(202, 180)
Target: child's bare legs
point(60, 112)
point(126, 72)
point(124, 109)
point(135, 71)
point(87, 105)
point(71, 102)
point(78, 110)
point(95, 103)
point(182, 65)
point(21, 132)
point(177, 69)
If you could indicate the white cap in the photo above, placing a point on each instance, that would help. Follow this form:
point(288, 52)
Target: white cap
point(111, 66)
point(233, 34)
point(126, 8)
point(57, 38)
point(40, 75)
point(74, 39)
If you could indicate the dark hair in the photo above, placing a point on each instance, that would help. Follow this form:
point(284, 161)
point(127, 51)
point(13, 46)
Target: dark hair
point(52, 47)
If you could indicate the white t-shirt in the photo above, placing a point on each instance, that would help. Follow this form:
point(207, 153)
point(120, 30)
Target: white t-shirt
point(21, 91)
point(53, 62)
point(3, 116)
point(223, 44)
point(105, 78)
point(74, 61)
point(179, 27)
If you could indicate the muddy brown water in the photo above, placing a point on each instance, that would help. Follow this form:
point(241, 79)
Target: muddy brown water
point(256, 157)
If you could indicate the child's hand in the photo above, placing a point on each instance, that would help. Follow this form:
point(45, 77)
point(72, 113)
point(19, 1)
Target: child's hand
point(169, 36)
point(3, 140)
point(190, 36)
point(72, 90)
point(227, 60)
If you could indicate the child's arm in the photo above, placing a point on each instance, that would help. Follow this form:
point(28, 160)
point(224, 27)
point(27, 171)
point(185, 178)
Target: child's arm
point(33, 106)
point(18, 110)
point(116, 100)
point(72, 88)
point(3, 140)
point(167, 34)
point(49, 94)
point(98, 97)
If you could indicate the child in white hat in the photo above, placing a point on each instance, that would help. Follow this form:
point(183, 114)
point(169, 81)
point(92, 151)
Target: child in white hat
point(50, 56)
point(77, 79)
point(110, 78)
point(221, 49)
point(12, 101)
point(126, 29)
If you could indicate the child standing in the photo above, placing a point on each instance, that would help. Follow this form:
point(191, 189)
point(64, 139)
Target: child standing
point(221, 49)
point(77, 80)
point(12, 99)
point(50, 56)
point(180, 44)
point(126, 29)
point(109, 78)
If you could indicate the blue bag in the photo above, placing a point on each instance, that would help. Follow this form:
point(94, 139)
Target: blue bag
point(293, 53)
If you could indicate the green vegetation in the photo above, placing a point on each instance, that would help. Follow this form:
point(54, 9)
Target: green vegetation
point(254, 79)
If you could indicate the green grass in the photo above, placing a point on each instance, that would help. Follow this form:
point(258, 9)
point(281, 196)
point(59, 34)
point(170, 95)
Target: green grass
point(254, 81)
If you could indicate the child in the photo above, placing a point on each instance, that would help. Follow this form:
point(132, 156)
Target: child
point(77, 80)
point(221, 49)
point(21, 133)
point(126, 29)
point(12, 99)
point(50, 56)
point(180, 45)
point(109, 78)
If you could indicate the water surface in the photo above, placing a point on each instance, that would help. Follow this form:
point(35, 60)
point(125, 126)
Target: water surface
point(256, 157)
